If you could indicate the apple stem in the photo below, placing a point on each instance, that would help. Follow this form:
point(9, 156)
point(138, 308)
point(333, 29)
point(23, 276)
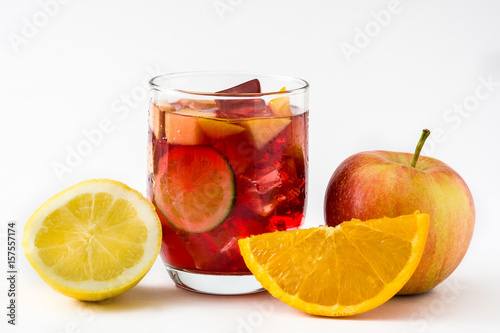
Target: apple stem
point(425, 135)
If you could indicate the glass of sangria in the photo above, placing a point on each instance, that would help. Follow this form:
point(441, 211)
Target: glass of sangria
point(227, 159)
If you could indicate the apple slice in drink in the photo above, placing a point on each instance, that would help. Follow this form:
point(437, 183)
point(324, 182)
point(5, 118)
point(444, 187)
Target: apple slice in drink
point(280, 106)
point(156, 121)
point(157, 117)
point(263, 130)
point(164, 106)
point(182, 128)
point(219, 129)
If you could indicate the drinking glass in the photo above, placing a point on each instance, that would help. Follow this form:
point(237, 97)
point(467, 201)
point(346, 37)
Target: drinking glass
point(227, 159)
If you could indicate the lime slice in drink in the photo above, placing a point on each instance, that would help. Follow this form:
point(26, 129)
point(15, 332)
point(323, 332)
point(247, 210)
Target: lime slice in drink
point(194, 188)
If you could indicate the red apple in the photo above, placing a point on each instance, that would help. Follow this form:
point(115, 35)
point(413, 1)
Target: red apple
point(374, 184)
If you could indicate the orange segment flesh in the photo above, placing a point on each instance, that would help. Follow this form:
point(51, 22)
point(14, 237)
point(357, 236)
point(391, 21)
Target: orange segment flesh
point(339, 271)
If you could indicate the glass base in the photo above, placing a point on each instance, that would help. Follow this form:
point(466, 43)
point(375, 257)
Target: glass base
point(215, 284)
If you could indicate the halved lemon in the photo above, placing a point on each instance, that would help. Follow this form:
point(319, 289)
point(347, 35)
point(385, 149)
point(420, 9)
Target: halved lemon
point(339, 271)
point(94, 240)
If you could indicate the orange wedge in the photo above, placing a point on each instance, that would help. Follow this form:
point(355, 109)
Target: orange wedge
point(339, 271)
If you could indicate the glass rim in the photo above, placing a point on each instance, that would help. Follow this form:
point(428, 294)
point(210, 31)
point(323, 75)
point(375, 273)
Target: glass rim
point(303, 84)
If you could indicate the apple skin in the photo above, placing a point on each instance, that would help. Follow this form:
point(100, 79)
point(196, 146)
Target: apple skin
point(381, 183)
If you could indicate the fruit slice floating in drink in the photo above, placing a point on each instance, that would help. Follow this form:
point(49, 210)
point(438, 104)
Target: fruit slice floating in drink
point(280, 106)
point(216, 129)
point(263, 130)
point(194, 188)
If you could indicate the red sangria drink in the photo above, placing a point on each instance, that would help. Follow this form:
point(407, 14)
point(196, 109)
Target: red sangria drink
point(227, 159)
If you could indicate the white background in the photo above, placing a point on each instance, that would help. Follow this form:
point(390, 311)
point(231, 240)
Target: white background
point(66, 68)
